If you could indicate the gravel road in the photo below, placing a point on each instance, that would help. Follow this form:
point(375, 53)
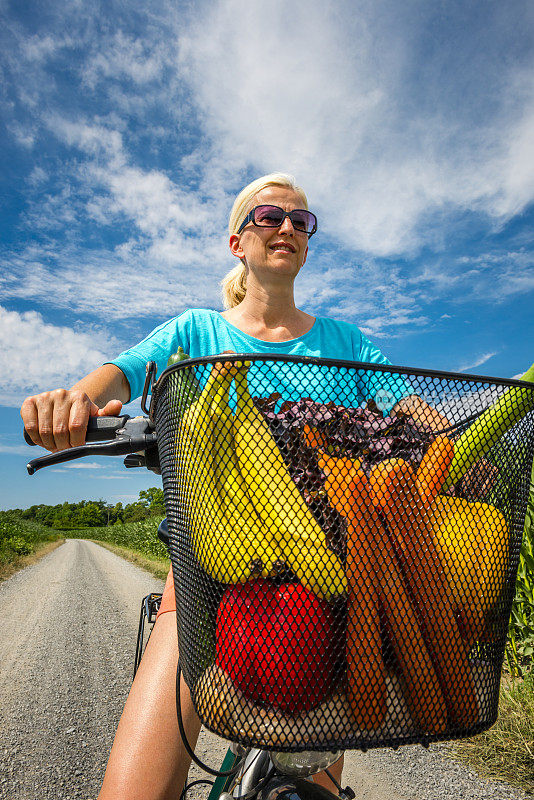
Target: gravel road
point(68, 638)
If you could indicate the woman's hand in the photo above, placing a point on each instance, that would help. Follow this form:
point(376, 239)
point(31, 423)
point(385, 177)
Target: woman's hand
point(420, 411)
point(58, 419)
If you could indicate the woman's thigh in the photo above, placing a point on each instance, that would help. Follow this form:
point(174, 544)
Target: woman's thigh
point(148, 760)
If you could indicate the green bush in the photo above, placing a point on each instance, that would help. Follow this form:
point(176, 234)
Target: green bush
point(140, 535)
point(520, 646)
point(20, 537)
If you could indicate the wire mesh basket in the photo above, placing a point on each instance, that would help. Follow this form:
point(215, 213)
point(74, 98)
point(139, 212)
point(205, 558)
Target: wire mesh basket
point(344, 556)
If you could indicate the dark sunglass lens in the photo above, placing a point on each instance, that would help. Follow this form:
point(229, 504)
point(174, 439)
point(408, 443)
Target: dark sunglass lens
point(270, 216)
point(302, 220)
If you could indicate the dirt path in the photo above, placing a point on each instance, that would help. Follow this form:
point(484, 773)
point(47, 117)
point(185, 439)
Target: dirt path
point(66, 652)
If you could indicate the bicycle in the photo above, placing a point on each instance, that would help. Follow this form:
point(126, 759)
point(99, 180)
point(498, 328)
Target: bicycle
point(276, 759)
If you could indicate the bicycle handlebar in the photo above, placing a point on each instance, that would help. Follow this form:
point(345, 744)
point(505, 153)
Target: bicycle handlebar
point(99, 429)
point(109, 436)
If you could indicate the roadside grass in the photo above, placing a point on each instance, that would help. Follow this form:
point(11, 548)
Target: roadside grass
point(158, 567)
point(23, 542)
point(141, 537)
point(506, 752)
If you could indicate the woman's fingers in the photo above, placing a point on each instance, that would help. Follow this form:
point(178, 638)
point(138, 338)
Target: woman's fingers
point(80, 410)
point(30, 418)
point(45, 413)
point(58, 420)
point(111, 409)
point(61, 408)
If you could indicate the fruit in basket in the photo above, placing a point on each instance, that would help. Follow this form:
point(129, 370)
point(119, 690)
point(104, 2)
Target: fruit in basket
point(276, 643)
point(230, 485)
point(278, 502)
point(472, 540)
point(230, 550)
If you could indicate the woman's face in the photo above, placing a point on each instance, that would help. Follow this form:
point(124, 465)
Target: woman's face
point(283, 249)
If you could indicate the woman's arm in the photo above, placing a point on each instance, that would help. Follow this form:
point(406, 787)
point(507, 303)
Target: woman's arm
point(58, 419)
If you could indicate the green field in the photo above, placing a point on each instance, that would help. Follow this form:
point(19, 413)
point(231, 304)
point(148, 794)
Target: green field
point(139, 536)
point(20, 537)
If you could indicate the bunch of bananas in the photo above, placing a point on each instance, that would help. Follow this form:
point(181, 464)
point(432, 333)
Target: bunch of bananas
point(245, 512)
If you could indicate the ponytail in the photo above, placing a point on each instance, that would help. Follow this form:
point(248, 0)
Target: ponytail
point(234, 286)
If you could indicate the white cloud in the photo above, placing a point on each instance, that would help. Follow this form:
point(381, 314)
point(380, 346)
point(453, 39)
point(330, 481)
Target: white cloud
point(36, 356)
point(477, 362)
point(126, 57)
point(84, 465)
point(14, 449)
point(337, 99)
point(489, 277)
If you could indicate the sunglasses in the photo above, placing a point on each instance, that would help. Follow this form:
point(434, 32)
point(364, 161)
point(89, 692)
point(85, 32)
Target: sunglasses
point(274, 216)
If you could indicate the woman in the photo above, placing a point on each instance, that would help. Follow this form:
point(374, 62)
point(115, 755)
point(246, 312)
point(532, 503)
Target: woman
point(270, 228)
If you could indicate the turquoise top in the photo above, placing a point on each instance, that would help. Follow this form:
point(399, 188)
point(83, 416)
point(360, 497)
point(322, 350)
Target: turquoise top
point(204, 332)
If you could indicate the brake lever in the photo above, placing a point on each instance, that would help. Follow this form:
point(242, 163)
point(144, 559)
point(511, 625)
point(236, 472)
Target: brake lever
point(136, 434)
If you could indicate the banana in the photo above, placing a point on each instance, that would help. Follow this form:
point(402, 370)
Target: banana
point(278, 502)
point(254, 541)
point(215, 542)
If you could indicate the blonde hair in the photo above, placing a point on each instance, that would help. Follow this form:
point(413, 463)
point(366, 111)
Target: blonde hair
point(234, 283)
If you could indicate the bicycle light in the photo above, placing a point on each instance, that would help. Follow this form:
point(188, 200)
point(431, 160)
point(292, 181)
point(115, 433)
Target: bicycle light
point(308, 762)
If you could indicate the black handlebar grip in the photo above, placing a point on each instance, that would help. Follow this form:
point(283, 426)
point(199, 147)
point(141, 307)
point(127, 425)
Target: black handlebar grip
point(99, 429)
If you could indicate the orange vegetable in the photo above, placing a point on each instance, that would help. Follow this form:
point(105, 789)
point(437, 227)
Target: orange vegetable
point(371, 562)
point(434, 468)
point(410, 528)
point(421, 687)
point(384, 481)
point(366, 673)
point(314, 438)
point(422, 690)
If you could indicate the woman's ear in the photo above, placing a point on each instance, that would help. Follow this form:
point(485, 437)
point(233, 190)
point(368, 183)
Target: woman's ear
point(235, 246)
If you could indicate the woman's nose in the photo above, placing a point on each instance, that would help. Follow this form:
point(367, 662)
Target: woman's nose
point(286, 226)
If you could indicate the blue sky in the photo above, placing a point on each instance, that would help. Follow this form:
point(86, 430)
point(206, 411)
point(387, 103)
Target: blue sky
point(128, 127)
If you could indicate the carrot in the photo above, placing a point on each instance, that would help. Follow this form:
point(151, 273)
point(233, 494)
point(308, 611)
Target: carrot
point(314, 438)
point(423, 693)
point(340, 466)
point(366, 672)
point(434, 468)
point(421, 688)
point(384, 481)
point(409, 525)
point(370, 553)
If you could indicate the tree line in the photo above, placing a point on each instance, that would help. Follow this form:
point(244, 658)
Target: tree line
point(97, 513)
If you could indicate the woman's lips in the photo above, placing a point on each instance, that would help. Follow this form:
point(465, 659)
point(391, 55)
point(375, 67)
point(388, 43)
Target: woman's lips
point(283, 247)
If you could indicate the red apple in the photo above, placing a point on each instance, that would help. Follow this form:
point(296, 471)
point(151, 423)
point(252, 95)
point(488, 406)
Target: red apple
point(276, 643)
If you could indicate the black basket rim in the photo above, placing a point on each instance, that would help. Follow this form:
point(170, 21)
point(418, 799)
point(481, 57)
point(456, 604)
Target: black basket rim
point(335, 362)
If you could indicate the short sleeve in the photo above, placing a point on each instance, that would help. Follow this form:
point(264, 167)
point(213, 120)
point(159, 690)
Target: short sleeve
point(157, 346)
point(384, 388)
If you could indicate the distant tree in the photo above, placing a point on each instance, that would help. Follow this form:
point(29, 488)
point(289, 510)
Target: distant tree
point(117, 514)
point(133, 512)
point(153, 499)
